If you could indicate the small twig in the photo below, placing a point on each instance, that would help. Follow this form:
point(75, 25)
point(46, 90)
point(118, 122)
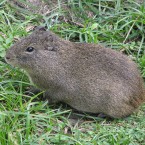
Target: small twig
point(130, 30)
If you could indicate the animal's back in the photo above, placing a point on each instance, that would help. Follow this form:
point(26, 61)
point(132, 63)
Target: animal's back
point(107, 81)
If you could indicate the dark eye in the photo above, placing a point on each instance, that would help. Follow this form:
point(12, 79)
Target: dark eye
point(30, 49)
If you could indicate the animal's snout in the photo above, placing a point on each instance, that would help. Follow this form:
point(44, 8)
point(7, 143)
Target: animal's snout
point(7, 57)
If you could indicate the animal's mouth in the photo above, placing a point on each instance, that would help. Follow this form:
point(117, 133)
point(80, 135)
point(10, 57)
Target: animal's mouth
point(10, 60)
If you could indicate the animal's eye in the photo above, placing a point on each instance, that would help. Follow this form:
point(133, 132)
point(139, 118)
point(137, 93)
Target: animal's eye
point(30, 49)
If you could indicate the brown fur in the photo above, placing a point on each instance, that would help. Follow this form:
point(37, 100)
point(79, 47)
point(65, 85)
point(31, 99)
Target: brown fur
point(88, 77)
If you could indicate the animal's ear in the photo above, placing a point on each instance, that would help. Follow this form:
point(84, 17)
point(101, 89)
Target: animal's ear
point(51, 48)
point(40, 28)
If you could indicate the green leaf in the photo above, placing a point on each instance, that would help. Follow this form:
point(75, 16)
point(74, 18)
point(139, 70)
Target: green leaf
point(94, 26)
point(2, 53)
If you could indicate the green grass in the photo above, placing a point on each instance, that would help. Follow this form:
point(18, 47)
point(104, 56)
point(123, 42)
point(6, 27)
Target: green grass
point(28, 120)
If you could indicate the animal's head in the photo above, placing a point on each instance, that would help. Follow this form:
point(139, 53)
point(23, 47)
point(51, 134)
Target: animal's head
point(27, 53)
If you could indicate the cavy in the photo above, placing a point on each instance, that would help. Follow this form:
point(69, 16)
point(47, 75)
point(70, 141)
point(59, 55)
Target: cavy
point(88, 77)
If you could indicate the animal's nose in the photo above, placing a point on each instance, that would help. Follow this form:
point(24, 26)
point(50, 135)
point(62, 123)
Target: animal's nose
point(7, 57)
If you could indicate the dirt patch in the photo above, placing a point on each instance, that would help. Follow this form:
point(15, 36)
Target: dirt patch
point(38, 6)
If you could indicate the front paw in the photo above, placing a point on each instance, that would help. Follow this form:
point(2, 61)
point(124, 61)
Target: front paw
point(32, 91)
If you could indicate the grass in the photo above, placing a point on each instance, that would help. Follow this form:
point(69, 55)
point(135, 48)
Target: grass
point(30, 120)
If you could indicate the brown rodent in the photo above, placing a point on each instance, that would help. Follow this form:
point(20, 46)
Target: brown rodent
point(88, 77)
